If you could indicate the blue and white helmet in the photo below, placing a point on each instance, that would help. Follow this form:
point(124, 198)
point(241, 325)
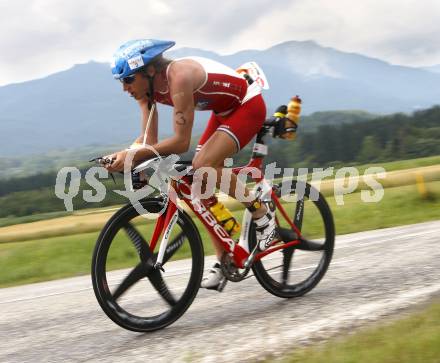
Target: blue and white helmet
point(134, 54)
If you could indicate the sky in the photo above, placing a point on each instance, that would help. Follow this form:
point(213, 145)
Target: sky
point(41, 37)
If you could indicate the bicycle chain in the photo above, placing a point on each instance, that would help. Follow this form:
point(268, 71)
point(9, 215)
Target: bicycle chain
point(230, 271)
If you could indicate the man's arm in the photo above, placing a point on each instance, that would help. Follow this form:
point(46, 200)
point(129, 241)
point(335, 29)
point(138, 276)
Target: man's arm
point(181, 89)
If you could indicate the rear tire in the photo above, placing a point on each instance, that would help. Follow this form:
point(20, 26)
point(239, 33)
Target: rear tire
point(276, 279)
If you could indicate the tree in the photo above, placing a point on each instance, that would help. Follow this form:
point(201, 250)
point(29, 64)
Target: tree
point(370, 150)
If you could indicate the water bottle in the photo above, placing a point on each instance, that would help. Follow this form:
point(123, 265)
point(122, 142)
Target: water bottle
point(292, 121)
point(223, 215)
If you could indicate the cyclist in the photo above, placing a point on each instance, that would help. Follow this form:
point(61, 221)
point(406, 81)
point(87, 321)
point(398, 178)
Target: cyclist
point(189, 84)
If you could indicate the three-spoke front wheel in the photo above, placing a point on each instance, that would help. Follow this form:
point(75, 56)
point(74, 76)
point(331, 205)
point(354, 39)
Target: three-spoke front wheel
point(131, 291)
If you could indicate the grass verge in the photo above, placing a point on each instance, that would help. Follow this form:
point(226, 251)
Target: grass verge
point(408, 340)
point(63, 256)
point(66, 256)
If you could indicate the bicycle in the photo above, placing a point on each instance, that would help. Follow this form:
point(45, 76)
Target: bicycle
point(309, 241)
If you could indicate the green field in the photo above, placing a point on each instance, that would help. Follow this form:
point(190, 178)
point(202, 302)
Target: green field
point(389, 166)
point(93, 219)
point(415, 339)
point(63, 256)
point(404, 164)
point(8, 221)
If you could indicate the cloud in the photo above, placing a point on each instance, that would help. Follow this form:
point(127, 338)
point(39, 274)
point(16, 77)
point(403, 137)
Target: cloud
point(45, 36)
point(374, 27)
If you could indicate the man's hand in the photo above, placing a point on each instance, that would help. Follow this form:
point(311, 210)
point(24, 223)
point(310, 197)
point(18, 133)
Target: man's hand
point(118, 161)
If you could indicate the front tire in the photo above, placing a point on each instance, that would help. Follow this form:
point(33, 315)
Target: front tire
point(146, 298)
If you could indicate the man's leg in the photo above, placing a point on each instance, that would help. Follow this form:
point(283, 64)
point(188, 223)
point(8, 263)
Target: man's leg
point(234, 132)
point(213, 153)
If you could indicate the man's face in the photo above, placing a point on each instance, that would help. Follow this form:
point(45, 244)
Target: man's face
point(136, 86)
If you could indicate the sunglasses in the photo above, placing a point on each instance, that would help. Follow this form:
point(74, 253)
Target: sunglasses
point(128, 79)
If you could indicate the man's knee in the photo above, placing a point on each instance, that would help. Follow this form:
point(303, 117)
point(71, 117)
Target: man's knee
point(200, 161)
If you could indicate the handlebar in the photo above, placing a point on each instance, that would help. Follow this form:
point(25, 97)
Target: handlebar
point(270, 122)
point(139, 175)
point(101, 160)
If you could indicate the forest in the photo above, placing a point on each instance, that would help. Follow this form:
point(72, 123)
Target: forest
point(385, 138)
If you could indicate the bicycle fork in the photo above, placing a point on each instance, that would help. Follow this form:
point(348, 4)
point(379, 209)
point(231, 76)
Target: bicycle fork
point(171, 216)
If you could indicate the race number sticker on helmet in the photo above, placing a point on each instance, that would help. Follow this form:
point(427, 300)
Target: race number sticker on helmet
point(135, 62)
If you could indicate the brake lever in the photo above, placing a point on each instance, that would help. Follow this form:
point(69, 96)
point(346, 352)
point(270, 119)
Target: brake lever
point(96, 160)
point(103, 161)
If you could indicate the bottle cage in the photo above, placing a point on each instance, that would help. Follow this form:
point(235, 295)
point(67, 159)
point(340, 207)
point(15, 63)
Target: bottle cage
point(285, 128)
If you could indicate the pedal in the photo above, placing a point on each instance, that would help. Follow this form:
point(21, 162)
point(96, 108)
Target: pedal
point(222, 285)
point(219, 287)
point(286, 235)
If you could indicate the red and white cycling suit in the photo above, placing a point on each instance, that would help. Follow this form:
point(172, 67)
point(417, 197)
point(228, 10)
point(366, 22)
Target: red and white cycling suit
point(238, 109)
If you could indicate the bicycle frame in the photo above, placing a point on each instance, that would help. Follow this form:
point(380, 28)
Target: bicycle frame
point(239, 252)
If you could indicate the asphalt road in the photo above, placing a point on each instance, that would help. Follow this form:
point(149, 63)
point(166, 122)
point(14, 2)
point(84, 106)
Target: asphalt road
point(372, 275)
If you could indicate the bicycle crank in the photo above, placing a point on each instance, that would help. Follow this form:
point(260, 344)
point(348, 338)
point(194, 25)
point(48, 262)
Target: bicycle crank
point(230, 271)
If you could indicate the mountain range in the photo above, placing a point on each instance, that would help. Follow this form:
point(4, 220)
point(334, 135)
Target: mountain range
point(85, 106)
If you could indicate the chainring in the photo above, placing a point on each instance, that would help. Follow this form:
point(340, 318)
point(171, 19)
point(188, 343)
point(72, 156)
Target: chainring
point(230, 271)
